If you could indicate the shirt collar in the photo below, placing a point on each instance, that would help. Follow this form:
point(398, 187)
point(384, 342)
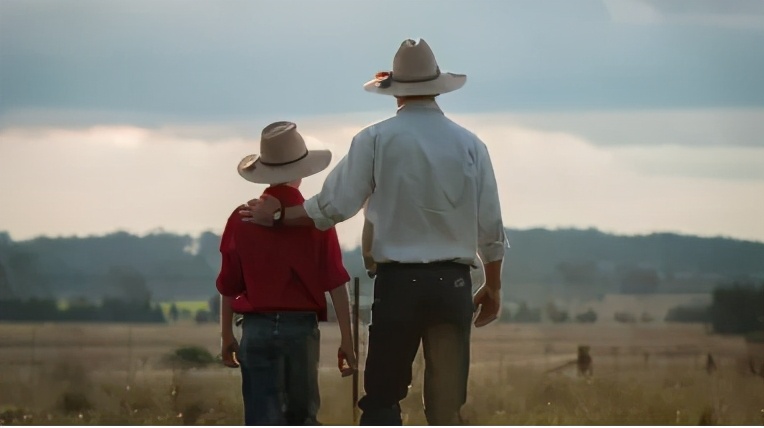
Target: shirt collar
point(288, 195)
point(420, 105)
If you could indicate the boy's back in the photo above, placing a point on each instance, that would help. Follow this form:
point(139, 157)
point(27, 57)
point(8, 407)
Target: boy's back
point(283, 268)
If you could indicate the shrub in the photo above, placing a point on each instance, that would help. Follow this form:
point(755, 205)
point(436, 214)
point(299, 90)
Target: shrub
point(191, 357)
point(74, 402)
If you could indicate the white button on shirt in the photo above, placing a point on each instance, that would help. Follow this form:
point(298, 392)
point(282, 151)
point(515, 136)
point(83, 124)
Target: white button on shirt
point(430, 188)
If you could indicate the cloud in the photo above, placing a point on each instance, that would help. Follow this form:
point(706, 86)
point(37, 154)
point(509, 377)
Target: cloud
point(747, 14)
point(147, 63)
point(734, 163)
point(648, 127)
point(99, 179)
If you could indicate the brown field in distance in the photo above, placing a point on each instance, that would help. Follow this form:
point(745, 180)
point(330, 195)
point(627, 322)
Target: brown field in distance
point(643, 374)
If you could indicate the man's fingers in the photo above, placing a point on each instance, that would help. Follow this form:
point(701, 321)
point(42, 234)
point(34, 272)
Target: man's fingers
point(483, 321)
point(246, 209)
point(486, 310)
point(485, 316)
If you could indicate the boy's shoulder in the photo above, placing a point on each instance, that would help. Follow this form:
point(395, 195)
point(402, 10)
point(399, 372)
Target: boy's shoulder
point(235, 215)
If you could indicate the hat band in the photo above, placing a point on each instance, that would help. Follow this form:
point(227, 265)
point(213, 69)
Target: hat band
point(426, 79)
point(385, 79)
point(284, 163)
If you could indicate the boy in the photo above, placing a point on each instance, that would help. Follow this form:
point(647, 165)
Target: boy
point(277, 277)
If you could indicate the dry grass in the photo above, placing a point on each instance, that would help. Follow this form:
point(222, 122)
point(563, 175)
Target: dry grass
point(643, 375)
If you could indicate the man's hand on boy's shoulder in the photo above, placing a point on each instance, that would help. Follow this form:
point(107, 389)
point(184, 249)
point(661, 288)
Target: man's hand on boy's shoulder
point(229, 350)
point(260, 211)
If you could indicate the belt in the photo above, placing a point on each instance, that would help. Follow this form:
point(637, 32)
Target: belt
point(282, 315)
point(437, 264)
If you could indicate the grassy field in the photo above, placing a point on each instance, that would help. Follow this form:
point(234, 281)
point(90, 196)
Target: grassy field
point(643, 375)
point(191, 307)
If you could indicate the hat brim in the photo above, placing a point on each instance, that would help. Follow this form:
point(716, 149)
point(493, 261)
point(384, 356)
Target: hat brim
point(446, 82)
point(315, 162)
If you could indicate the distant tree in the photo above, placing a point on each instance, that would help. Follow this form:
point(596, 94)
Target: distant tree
point(33, 309)
point(179, 267)
point(527, 315)
point(118, 310)
point(203, 316)
point(625, 317)
point(81, 309)
point(636, 280)
point(209, 244)
point(738, 308)
point(555, 314)
point(27, 273)
point(173, 312)
point(214, 306)
point(6, 290)
point(582, 279)
point(5, 240)
point(588, 316)
point(130, 283)
point(688, 314)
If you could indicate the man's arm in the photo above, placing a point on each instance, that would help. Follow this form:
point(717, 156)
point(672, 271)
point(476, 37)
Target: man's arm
point(345, 190)
point(256, 211)
point(491, 241)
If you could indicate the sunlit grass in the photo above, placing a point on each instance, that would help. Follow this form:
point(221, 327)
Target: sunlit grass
point(90, 374)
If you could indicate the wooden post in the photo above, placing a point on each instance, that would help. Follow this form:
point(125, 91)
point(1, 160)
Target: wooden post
point(584, 361)
point(356, 347)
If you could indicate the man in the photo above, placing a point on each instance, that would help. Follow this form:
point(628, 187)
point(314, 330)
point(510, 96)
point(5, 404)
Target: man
point(432, 204)
point(277, 277)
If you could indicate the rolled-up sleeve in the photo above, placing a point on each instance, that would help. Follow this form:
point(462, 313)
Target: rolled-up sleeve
point(492, 240)
point(347, 186)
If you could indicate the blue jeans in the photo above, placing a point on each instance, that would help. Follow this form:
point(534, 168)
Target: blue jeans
point(279, 368)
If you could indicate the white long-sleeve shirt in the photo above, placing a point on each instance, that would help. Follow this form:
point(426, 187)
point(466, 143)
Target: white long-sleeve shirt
point(430, 187)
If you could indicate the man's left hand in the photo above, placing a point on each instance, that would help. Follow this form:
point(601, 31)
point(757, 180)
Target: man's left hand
point(260, 211)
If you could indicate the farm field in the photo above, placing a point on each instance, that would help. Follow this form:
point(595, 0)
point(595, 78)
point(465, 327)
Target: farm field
point(642, 375)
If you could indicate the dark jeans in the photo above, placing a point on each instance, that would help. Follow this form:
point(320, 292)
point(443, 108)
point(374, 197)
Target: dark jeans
point(413, 303)
point(279, 368)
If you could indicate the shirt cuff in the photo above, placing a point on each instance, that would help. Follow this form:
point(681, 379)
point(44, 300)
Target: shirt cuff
point(493, 251)
point(321, 221)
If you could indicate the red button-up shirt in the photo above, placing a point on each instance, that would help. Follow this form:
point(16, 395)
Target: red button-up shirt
point(279, 268)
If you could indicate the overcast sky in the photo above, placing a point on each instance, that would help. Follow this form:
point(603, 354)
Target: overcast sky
point(631, 116)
